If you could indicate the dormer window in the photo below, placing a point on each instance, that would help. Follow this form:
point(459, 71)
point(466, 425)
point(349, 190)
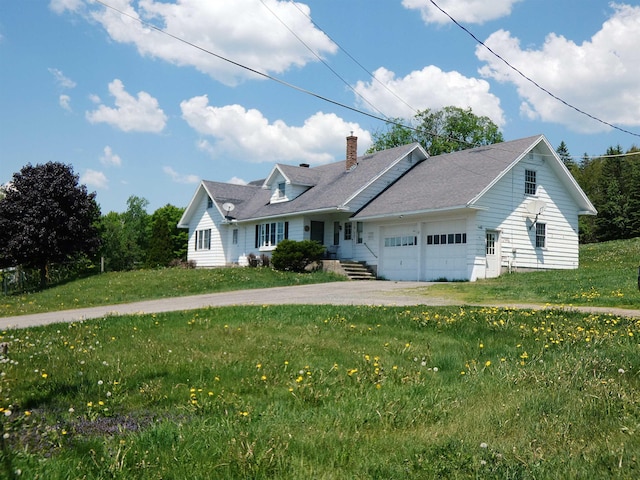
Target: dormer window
point(280, 192)
point(209, 202)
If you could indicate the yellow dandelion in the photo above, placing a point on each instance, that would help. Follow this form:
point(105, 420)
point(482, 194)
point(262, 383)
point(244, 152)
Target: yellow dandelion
point(487, 363)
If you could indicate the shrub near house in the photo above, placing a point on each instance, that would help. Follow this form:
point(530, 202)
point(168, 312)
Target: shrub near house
point(294, 256)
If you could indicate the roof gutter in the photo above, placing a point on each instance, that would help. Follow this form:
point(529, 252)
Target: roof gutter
point(418, 212)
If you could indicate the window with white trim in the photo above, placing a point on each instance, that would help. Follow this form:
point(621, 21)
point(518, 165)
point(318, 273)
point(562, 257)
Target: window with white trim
point(347, 230)
point(449, 238)
point(203, 239)
point(280, 192)
point(234, 236)
point(541, 235)
point(270, 234)
point(401, 241)
point(209, 202)
point(530, 182)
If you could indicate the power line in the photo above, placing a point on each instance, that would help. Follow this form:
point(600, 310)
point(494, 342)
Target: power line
point(388, 121)
point(374, 78)
point(322, 59)
point(250, 69)
point(536, 84)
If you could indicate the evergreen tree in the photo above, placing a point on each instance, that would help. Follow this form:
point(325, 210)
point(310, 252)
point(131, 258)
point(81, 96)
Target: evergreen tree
point(567, 159)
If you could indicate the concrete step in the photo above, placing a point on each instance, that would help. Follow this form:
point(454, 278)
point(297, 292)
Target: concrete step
point(357, 270)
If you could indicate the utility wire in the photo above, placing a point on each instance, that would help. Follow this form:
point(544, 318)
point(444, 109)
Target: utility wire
point(384, 85)
point(253, 70)
point(389, 121)
point(536, 84)
point(322, 59)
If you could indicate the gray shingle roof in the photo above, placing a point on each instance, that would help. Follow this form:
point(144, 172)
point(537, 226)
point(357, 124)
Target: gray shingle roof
point(448, 180)
point(333, 186)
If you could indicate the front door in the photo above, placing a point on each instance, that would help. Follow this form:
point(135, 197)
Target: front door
point(492, 250)
point(317, 231)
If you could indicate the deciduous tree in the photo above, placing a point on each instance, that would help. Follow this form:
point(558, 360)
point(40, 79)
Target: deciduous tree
point(440, 131)
point(47, 217)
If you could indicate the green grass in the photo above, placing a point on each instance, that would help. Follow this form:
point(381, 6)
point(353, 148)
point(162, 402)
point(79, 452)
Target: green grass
point(607, 277)
point(124, 287)
point(298, 392)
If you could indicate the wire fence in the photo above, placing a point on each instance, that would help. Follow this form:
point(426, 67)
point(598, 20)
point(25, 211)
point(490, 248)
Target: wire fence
point(19, 279)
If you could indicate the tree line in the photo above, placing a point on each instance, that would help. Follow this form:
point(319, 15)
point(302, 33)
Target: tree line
point(47, 217)
point(612, 183)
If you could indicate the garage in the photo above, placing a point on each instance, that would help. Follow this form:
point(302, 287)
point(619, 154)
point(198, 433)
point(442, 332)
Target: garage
point(445, 250)
point(400, 248)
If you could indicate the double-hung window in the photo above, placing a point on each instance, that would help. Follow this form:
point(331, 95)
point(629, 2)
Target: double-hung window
point(270, 234)
point(541, 235)
point(203, 239)
point(359, 232)
point(530, 182)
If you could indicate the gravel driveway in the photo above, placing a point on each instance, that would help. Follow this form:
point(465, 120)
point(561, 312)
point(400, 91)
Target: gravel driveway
point(335, 293)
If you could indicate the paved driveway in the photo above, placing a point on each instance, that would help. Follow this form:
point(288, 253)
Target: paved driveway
point(335, 293)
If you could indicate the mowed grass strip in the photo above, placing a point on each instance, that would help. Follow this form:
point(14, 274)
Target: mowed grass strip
point(607, 277)
point(298, 392)
point(125, 287)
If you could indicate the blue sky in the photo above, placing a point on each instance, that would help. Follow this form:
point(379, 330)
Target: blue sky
point(140, 113)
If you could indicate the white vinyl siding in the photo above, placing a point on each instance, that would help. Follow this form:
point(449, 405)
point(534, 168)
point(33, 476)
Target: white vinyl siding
point(506, 211)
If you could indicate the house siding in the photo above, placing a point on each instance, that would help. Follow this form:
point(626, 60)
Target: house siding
point(204, 219)
point(506, 213)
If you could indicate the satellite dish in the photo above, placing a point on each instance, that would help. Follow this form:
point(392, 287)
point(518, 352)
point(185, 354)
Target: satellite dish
point(227, 207)
point(535, 208)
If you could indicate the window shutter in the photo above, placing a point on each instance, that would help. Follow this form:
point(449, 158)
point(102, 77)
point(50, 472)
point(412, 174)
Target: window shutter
point(257, 235)
point(195, 245)
point(286, 230)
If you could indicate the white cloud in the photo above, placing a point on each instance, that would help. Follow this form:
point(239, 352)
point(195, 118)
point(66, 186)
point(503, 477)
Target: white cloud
point(109, 158)
point(599, 76)
point(180, 178)
point(428, 88)
point(464, 11)
point(94, 178)
point(65, 102)
point(61, 79)
point(60, 6)
point(248, 135)
point(245, 31)
point(141, 114)
point(237, 181)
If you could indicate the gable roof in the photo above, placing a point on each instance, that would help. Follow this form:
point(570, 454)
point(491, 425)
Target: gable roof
point(332, 187)
point(293, 175)
point(459, 179)
point(444, 182)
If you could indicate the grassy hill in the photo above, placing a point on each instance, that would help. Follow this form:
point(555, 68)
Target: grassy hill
point(607, 276)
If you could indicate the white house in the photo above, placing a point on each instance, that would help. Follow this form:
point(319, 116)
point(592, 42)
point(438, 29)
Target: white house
point(458, 216)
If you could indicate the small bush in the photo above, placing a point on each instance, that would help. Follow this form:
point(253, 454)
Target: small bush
point(293, 256)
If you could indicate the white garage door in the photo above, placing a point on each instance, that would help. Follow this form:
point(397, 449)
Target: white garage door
point(445, 247)
point(399, 252)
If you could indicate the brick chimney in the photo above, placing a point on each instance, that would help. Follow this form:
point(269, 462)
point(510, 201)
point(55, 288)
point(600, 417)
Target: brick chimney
point(352, 152)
